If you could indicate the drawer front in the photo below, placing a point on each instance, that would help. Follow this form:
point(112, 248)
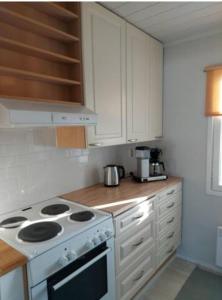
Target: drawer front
point(170, 221)
point(134, 217)
point(169, 205)
point(168, 236)
point(170, 191)
point(128, 249)
point(135, 276)
point(168, 248)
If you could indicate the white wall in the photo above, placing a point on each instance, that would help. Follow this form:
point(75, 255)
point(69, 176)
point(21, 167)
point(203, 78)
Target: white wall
point(185, 131)
point(30, 173)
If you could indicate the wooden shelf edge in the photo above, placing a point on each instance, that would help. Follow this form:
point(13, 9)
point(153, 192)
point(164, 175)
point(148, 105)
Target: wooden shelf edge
point(14, 18)
point(37, 76)
point(55, 9)
point(34, 51)
point(39, 100)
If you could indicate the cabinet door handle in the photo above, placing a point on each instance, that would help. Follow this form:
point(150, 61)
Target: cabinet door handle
point(139, 243)
point(170, 236)
point(96, 144)
point(138, 217)
point(170, 221)
point(171, 205)
point(139, 277)
point(159, 137)
point(169, 251)
point(171, 192)
point(132, 140)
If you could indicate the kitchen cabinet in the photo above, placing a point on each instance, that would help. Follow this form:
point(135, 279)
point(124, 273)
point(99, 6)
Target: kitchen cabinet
point(138, 77)
point(155, 115)
point(12, 286)
point(104, 73)
point(144, 86)
point(123, 69)
point(146, 236)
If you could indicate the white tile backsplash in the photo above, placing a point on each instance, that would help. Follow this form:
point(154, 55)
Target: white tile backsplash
point(30, 173)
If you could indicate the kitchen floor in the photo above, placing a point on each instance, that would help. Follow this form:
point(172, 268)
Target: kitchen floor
point(169, 283)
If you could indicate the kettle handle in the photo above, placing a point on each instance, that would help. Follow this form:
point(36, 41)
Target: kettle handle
point(122, 171)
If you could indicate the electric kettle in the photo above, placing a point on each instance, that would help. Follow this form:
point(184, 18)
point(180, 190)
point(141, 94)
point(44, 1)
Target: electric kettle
point(113, 174)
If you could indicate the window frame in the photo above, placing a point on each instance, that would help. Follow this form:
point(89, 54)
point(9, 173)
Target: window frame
point(214, 149)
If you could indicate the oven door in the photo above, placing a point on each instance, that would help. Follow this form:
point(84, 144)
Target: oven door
point(91, 277)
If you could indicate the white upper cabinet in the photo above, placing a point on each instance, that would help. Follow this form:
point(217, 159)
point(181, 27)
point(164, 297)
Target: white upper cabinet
point(137, 85)
point(104, 58)
point(155, 90)
point(144, 86)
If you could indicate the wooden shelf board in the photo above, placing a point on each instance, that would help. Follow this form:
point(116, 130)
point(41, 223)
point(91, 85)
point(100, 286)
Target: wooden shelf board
point(36, 76)
point(65, 102)
point(32, 25)
point(56, 10)
point(34, 51)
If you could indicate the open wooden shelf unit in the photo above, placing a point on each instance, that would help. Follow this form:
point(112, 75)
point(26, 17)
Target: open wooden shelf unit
point(40, 51)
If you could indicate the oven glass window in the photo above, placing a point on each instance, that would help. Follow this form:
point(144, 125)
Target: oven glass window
point(89, 284)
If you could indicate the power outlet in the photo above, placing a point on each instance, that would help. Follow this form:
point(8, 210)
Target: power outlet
point(131, 153)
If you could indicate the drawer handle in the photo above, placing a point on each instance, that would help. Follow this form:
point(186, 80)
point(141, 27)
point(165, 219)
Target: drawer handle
point(169, 251)
point(140, 276)
point(170, 221)
point(138, 217)
point(171, 205)
point(139, 243)
point(170, 236)
point(132, 140)
point(171, 192)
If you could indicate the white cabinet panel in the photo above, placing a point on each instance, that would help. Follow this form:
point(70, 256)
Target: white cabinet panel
point(155, 90)
point(11, 285)
point(137, 84)
point(104, 73)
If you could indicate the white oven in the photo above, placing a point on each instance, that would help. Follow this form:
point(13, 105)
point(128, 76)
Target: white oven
point(90, 277)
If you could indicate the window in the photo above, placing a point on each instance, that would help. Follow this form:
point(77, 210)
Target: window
point(214, 156)
point(213, 110)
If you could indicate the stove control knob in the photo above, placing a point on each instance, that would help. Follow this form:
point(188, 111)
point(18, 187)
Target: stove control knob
point(89, 245)
point(63, 261)
point(108, 233)
point(102, 237)
point(96, 241)
point(71, 255)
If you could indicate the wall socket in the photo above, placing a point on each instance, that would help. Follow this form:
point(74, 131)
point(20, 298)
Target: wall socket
point(131, 153)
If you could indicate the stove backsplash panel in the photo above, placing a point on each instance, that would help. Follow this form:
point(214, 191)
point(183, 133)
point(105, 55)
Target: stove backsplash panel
point(31, 173)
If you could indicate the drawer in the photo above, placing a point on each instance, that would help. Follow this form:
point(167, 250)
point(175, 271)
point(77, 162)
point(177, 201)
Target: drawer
point(168, 236)
point(128, 249)
point(169, 204)
point(170, 221)
point(134, 217)
point(168, 249)
point(136, 275)
point(170, 191)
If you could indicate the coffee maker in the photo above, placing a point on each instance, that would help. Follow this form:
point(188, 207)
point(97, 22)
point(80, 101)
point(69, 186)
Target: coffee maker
point(147, 171)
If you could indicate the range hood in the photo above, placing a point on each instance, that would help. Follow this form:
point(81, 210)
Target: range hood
point(16, 113)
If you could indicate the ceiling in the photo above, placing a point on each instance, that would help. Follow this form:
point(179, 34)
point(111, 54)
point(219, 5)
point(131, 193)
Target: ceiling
point(171, 22)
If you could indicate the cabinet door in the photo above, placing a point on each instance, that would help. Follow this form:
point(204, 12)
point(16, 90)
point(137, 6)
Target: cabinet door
point(11, 285)
point(104, 74)
point(137, 84)
point(156, 82)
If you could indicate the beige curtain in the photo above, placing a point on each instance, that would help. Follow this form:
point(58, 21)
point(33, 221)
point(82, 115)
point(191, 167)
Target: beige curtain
point(214, 91)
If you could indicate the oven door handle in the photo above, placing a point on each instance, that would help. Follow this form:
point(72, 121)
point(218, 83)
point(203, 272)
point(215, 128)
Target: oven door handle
point(81, 269)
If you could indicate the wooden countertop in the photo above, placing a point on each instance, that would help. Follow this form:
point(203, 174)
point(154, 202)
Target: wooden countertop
point(116, 200)
point(10, 258)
